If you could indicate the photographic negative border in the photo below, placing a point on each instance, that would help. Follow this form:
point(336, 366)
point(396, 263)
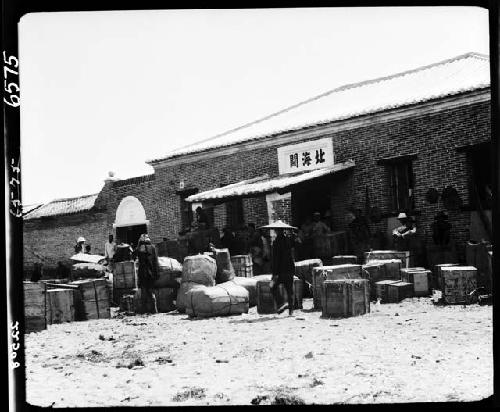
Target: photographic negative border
point(13, 10)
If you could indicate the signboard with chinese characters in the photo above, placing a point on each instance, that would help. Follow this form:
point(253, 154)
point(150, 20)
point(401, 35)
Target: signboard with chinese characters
point(310, 155)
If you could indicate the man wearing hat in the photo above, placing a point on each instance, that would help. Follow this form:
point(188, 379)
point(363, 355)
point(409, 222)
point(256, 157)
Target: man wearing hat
point(283, 265)
point(403, 234)
point(80, 245)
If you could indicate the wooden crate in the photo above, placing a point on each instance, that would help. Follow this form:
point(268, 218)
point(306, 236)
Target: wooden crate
point(242, 265)
point(92, 299)
point(322, 273)
point(165, 299)
point(345, 297)
point(265, 300)
point(35, 306)
point(124, 275)
point(60, 306)
point(420, 278)
point(374, 272)
point(304, 268)
point(392, 268)
point(381, 291)
point(404, 256)
point(457, 282)
point(342, 259)
point(397, 291)
point(436, 274)
point(127, 303)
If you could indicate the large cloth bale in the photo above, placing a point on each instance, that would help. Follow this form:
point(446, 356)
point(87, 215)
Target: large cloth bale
point(87, 270)
point(225, 269)
point(184, 288)
point(224, 299)
point(169, 270)
point(200, 269)
point(250, 284)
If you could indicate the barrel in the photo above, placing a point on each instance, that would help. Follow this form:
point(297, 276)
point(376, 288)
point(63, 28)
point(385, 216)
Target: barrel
point(322, 273)
point(242, 265)
point(345, 297)
point(457, 282)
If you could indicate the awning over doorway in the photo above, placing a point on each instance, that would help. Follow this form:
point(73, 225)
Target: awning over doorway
point(264, 184)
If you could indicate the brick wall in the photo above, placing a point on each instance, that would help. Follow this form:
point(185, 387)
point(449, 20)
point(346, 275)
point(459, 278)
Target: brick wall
point(50, 240)
point(432, 137)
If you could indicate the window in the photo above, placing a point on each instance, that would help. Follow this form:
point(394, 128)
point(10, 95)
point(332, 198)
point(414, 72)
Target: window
point(480, 184)
point(401, 185)
point(234, 213)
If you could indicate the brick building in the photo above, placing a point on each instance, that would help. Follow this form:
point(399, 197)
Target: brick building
point(416, 141)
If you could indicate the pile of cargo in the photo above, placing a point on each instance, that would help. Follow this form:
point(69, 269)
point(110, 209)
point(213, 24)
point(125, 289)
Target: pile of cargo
point(48, 303)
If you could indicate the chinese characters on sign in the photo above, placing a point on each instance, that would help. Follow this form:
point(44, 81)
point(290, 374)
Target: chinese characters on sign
point(15, 208)
point(306, 156)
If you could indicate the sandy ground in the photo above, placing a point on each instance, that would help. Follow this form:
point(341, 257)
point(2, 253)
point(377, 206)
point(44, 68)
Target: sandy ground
point(407, 352)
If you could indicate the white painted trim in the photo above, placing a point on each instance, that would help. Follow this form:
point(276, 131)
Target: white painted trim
point(143, 222)
point(322, 130)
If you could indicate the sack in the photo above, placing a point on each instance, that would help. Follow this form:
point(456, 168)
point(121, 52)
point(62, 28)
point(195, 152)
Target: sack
point(199, 269)
point(250, 284)
point(225, 269)
point(87, 270)
point(181, 294)
point(168, 271)
point(224, 299)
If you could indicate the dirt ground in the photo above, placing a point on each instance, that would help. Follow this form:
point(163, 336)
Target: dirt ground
point(413, 351)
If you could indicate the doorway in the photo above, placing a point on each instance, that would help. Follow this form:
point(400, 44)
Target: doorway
point(307, 199)
point(130, 234)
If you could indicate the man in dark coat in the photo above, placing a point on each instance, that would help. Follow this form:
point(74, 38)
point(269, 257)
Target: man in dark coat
point(148, 271)
point(283, 267)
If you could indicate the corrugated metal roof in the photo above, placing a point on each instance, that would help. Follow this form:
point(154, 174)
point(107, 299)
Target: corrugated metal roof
point(64, 207)
point(460, 74)
point(264, 184)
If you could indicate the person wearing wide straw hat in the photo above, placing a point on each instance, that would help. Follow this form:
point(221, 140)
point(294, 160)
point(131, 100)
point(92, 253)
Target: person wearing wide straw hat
point(283, 265)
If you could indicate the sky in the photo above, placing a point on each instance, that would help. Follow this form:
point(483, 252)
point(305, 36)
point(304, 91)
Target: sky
point(106, 91)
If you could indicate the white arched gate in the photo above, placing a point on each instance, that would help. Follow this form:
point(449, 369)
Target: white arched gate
point(130, 220)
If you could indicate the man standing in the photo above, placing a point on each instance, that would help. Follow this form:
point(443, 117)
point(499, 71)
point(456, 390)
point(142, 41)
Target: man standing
point(148, 272)
point(80, 245)
point(403, 234)
point(109, 252)
point(283, 265)
point(320, 240)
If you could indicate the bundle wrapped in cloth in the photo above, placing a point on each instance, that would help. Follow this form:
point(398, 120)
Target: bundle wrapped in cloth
point(197, 270)
point(226, 298)
point(169, 271)
point(250, 284)
point(225, 269)
point(87, 270)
